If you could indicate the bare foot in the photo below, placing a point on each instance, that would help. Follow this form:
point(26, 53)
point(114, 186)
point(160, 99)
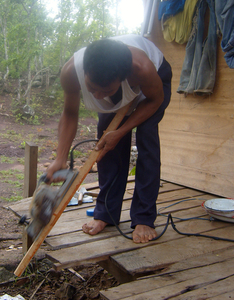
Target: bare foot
point(94, 227)
point(143, 234)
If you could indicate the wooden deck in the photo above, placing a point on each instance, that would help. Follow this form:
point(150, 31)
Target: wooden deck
point(174, 266)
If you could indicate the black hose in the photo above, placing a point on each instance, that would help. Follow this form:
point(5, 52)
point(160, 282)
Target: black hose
point(197, 234)
point(74, 147)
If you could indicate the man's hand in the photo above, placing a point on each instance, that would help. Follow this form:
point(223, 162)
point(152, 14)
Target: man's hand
point(108, 143)
point(55, 166)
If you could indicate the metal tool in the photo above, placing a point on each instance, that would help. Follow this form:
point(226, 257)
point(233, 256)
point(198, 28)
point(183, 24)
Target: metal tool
point(85, 196)
point(46, 199)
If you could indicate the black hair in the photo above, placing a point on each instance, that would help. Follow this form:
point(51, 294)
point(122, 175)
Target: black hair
point(107, 60)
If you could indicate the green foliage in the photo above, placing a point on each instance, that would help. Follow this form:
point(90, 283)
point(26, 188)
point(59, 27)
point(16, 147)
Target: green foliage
point(20, 160)
point(6, 173)
point(21, 118)
point(22, 145)
point(31, 41)
point(15, 179)
point(84, 113)
point(15, 197)
point(133, 171)
point(31, 34)
point(78, 154)
point(5, 159)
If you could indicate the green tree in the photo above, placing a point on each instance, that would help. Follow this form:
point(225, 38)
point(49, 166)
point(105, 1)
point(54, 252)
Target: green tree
point(34, 43)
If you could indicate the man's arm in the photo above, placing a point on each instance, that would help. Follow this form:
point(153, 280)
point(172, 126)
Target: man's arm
point(69, 119)
point(145, 75)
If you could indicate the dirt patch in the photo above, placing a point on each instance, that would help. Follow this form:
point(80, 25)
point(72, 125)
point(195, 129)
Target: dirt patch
point(43, 282)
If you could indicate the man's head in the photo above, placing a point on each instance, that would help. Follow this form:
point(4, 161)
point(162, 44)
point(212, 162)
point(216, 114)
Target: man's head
point(106, 61)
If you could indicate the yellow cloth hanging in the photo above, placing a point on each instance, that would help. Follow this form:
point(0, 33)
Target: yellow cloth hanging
point(177, 28)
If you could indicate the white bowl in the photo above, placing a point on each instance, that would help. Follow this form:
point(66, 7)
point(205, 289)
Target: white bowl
point(222, 207)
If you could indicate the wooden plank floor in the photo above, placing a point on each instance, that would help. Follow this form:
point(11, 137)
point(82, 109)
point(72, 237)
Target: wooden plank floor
point(174, 266)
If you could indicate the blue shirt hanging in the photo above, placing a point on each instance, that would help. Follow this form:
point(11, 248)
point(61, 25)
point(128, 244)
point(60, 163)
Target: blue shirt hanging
point(170, 8)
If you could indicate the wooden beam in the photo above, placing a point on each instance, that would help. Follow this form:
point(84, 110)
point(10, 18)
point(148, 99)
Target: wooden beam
point(75, 185)
point(30, 183)
point(30, 169)
point(26, 241)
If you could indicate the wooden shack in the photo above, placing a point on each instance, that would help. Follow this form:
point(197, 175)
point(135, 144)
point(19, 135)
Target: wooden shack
point(197, 132)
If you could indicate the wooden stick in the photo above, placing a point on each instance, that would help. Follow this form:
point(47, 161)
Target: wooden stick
point(36, 290)
point(63, 204)
point(76, 273)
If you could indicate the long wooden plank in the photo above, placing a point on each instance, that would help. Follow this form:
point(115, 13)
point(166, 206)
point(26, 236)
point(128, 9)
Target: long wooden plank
point(215, 289)
point(68, 232)
point(202, 289)
point(203, 260)
point(226, 294)
point(173, 250)
point(83, 254)
point(144, 284)
point(163, 189)
point(178, 195)
point(74, 187)
point(77, 237)
point(164, 287)
point(179, 289)
point(167, 192)
point(174, 206)
point(68, 223)
point(73, 220)
point(21, 207)
point(72, 239)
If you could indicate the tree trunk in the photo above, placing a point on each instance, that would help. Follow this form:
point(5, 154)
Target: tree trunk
point(3, 23)
point(28, 92)
point(47, 79)
point(19, 90)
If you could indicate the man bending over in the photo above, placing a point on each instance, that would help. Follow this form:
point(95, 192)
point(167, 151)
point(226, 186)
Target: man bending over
point(112, 73)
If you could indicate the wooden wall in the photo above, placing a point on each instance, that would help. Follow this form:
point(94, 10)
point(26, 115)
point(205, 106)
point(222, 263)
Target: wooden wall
point(197, 132)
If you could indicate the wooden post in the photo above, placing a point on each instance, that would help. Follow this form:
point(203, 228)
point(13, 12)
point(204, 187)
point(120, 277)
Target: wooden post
point(67, 197)
point(30, 183)
point(30, 169)
point(26, 241)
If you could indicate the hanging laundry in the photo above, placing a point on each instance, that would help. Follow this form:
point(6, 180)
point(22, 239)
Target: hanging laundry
point(225, 16)
point(199, 67)
point(177, 28)
point(170, 8)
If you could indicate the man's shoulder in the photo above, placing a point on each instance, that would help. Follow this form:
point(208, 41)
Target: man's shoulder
point(68, 77)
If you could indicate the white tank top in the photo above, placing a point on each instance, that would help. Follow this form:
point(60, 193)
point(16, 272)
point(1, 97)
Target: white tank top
point(129, 94)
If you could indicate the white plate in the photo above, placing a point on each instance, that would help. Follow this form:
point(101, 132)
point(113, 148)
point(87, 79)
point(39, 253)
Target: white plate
point(220, 204)
point(220, 208)
point(222, 218)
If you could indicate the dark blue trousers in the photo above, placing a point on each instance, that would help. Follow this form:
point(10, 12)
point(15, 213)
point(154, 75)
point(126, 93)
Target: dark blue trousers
point(147, 180)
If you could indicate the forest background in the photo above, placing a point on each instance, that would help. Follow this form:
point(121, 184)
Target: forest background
point(35, 43)
point(36, 39)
